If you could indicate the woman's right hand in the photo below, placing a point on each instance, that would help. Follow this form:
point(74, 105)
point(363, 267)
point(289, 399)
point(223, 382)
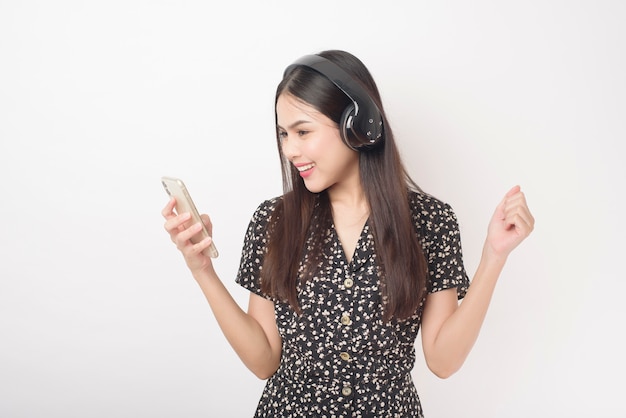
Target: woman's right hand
point(253, 334)
point(181, 236)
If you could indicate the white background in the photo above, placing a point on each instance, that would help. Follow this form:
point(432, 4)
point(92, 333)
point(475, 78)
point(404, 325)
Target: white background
point(98, 314)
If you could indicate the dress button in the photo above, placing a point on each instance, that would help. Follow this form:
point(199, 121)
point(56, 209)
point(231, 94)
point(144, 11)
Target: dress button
point(346, 391)
point(344, 356)
point(345, 319)
point(348, 283)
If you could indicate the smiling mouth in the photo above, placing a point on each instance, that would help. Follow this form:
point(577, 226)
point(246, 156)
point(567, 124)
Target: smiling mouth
point(305, 167)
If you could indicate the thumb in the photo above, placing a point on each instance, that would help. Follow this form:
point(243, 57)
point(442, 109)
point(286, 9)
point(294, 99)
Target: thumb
point(207, 222)
point(514, 190)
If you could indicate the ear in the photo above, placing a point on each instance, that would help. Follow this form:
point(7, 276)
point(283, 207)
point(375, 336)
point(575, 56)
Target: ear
point(346, 130)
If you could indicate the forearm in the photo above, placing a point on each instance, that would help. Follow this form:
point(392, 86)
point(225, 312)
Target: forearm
point(243, 332)
point(459, 331)
point(449, 329)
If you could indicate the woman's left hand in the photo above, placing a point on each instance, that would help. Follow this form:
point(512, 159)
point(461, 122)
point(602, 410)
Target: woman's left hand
point(510, 224)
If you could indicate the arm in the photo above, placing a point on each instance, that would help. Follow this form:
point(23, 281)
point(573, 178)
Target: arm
point(449, 329)
point(253, 334)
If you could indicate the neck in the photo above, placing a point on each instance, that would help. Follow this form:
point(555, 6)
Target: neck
point(348, 197)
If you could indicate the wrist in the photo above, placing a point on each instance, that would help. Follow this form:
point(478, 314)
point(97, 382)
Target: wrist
point(492, 257)
point(205, 274)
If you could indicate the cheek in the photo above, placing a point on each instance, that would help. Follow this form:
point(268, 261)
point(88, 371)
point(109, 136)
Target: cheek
point(330, 145)
point(315, 149)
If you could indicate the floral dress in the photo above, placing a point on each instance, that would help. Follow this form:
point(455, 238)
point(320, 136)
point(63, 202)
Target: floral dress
point(339, 358)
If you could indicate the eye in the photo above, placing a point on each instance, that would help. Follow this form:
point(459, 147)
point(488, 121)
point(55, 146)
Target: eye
point(302, 133)
point(282, 135)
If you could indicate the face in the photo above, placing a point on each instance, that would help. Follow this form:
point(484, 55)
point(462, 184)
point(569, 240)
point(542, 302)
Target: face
point(312, 143)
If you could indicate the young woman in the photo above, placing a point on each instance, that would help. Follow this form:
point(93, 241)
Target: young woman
point(351, 261)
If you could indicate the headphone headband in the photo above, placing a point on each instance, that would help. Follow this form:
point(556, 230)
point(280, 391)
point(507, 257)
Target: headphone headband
point(362, 118)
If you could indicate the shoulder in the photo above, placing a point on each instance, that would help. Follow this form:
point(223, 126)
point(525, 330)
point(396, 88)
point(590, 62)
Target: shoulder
point(266, 208)
point(432, 217)
point(262, 214)
point(438, 229)
point(257, 231)
point(426, 207)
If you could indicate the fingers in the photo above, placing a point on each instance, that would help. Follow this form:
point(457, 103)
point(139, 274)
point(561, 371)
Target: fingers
point(202, 245)
point(500, 209)
point(183, 237)
point(175, 225)
point(181, 234)
point(190, 249)
point(511, 223)
point(176, 222)
point(168, 210)
point(516, 213)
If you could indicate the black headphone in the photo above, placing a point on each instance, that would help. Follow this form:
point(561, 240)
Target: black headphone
point(362, 117)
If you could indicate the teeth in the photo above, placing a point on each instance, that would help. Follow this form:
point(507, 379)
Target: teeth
point(306, 167)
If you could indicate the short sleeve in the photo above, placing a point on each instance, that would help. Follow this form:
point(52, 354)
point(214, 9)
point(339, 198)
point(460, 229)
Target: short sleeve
point(442, 244)
point(254, 249)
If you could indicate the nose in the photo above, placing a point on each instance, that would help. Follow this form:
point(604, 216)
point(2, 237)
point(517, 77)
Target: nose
point(290, 148)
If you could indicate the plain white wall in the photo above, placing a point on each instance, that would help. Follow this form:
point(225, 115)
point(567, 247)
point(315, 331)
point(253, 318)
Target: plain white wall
point(98, 314)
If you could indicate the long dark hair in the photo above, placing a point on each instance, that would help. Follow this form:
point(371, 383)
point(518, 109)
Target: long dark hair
point(302, 215)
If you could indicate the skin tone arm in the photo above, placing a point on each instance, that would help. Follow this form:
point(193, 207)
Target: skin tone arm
point(449, 329)
point(253, 334)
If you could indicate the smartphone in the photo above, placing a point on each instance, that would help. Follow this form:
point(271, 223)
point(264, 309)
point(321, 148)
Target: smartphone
point(176, 188)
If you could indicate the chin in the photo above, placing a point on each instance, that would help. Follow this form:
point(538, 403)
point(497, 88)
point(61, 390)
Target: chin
point(315, 188)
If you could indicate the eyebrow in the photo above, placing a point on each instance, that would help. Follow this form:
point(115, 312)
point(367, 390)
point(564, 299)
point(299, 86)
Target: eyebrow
point(293, 125)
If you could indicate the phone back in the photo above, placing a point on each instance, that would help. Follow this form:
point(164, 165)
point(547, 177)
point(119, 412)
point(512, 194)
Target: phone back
point(177, 189)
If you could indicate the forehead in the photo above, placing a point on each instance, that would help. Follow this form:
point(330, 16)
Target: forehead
point(290, 109)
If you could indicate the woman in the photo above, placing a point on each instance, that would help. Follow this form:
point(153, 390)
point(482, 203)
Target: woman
point(346, 266)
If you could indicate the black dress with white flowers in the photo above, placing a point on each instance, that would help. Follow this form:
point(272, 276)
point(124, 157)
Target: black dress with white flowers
point(339, 358)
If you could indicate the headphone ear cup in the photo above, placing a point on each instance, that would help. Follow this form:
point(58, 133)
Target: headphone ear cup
point(346, 129)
